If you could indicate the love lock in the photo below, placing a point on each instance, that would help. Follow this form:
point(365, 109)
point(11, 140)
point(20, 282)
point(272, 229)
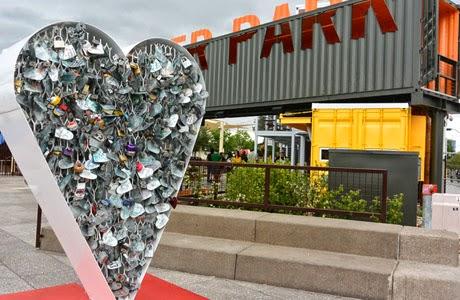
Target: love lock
point(116, 132)
point(58, 42)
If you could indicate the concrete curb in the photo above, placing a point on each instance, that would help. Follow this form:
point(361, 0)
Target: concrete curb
point(341, 257)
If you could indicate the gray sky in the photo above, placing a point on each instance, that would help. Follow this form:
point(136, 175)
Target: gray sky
point(137, 20)
point(131, 21)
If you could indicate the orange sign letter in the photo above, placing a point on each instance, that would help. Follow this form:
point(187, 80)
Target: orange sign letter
point(311, 5)
point(271, 38)
point(179, 39)
point(332, 2)
point(204, 33)
point(252, 20)
point(234, 41)
point(201, 52)
point(382, 13)
point(281, 11)
point(329, 31)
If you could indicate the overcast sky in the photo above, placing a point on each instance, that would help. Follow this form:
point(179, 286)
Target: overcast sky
point(137, 20)
point(132, 21)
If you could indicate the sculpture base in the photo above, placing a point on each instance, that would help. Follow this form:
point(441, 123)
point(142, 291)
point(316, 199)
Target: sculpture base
point(152, 288)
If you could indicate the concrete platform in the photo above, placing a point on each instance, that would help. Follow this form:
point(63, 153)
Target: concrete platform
point(340, 257)
point(370, 274)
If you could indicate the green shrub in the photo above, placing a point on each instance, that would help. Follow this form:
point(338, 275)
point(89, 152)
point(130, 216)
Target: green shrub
point(394, 208)
point(303, 189)
point(288, 187)
point(245, 185)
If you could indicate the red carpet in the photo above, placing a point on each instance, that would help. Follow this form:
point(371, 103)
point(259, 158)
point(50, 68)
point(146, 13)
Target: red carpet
point(152, 288)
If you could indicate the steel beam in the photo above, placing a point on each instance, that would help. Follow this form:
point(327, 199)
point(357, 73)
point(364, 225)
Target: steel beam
point(437, 143)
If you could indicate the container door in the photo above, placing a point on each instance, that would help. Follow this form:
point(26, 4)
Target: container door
point(429, 51)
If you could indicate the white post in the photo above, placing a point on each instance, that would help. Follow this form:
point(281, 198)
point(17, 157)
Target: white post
point(273, 150)
point(256, 134)
point(265, 149)
point(293, 149)
point(221, 138)
point(302, 150)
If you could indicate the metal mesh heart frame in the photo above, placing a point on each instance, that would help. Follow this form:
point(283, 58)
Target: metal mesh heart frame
point(116, 132)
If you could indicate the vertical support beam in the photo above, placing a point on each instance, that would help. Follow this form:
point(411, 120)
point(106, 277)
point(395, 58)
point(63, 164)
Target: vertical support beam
point(302, 150)
point(265, 149)
point(38, 228)
point(273, 150)
point(293, 149)
point(437, 145)
point(221, 138)
point(267, 189)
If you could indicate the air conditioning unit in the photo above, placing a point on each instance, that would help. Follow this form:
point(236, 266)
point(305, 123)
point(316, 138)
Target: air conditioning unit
point(446, 212)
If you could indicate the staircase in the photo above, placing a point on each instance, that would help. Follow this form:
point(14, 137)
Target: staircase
point(339, 257)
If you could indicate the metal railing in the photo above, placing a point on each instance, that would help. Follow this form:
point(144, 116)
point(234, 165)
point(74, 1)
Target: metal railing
point(322, 191)
point(318, 191)
point(9, 167)
point(447, 78)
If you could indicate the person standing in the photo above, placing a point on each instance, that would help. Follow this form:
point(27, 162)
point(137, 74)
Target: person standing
point(209, 158)
point(237, 158)
point(244, 156)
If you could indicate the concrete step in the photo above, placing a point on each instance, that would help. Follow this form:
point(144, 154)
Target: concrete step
point(198, 255)
point(413, 280)
point(343, 236)
point(213, 222)
point(311, 270)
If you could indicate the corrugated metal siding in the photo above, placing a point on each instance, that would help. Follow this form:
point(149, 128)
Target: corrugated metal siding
point(379, 63)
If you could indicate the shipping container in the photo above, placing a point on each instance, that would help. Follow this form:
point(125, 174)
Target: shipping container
point(384, 127)
point(355, 51)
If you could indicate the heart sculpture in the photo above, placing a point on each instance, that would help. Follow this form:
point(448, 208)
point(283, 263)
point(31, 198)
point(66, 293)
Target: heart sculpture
point(117, 133)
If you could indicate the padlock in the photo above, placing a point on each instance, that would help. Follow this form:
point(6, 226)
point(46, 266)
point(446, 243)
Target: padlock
point(123, 159)
point(56, 100)
point(86, 89)
point(186, 62)
point(78, 168)
point(136, 69)
point(68, 53)
point(18, 85)
point(58, 43)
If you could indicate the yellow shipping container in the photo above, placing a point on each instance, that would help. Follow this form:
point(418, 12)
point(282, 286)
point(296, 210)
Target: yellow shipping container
point(389, 127)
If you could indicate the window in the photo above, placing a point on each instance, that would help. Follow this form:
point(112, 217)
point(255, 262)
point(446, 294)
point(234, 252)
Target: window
point(324, 154)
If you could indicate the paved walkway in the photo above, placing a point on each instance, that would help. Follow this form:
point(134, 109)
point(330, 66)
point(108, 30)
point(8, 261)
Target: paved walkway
point(22, 267)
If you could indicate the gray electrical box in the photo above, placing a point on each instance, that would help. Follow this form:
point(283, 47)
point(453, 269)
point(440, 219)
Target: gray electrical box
point(402, 167)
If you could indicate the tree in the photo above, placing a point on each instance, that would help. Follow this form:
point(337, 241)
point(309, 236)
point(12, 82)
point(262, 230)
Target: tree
point(240, 140)
point(209, 138)
point(450, 146)
point(454, 162)
point(202, 141)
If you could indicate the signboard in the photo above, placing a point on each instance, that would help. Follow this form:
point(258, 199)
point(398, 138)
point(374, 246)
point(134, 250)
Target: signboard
point(356, 49)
